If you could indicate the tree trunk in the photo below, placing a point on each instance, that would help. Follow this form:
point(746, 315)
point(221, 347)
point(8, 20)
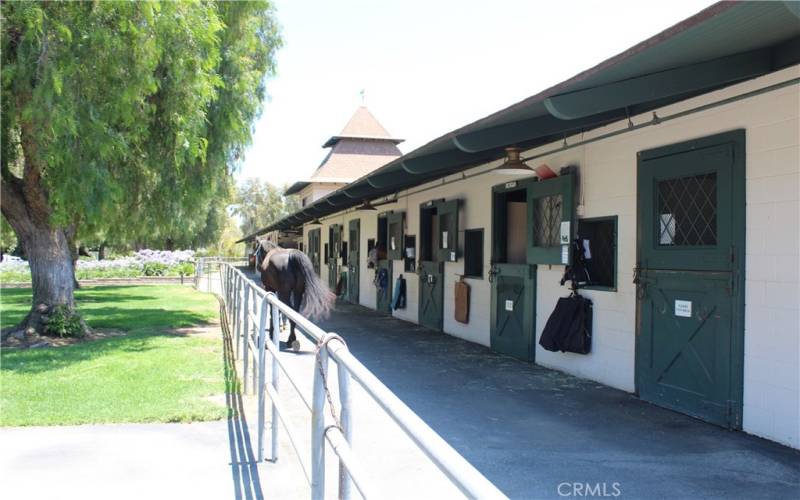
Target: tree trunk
point(101, 252)
point(49, 257)
point(52, 275)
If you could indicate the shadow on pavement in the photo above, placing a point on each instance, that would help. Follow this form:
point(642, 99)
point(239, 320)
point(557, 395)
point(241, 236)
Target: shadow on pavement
point(244, 467)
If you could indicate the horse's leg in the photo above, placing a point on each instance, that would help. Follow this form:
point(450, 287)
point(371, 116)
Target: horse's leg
point(285, 296)
point(297, 301)
point(292, 337)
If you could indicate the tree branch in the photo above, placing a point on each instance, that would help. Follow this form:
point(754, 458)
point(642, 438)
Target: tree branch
point(12, 204)
point(33, 191)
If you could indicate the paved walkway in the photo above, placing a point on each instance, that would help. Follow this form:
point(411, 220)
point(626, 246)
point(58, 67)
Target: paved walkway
point(535, 433)
point(530, 429)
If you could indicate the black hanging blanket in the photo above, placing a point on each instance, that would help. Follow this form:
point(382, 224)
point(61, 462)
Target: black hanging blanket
point(569, 328)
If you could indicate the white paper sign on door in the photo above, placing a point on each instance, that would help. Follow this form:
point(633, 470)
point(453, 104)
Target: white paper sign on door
point(565, 232)
point(444, 239)
point(509, 305)
point(683, 308)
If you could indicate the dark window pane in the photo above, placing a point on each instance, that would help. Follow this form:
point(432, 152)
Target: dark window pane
point(547, 221)
point(473, 253)
point(687, 211)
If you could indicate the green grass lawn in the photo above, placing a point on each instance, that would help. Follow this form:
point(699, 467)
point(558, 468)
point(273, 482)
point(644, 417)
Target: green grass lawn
point(151, 374)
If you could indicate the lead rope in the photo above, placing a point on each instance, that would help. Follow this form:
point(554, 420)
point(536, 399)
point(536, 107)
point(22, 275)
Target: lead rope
point(323, 342)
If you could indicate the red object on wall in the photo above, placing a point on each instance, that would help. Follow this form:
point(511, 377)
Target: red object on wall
point(544, 172)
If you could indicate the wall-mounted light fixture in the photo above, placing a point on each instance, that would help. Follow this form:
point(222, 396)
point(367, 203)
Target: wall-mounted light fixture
point(513, 164)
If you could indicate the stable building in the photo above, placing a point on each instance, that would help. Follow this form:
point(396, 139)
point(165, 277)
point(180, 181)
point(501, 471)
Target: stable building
point(674, 165)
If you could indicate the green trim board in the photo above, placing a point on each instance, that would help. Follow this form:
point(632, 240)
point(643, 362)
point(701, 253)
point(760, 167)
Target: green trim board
point(690, 277)
point(652, 87)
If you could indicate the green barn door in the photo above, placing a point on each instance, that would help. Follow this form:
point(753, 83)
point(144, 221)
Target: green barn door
point(383, 287)
point(512, 278)
point(354, 239)
point(334, 247)
point(438, 242)
point(313, 248)
point(512, 310)
point(690, 294)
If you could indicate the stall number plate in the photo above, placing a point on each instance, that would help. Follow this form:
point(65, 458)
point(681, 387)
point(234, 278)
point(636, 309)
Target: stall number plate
point(683, 308)
point(509, 305)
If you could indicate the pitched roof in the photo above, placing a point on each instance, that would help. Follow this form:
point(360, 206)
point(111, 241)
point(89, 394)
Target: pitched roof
point(362, 146)
point(362, 125)
point(353, 158)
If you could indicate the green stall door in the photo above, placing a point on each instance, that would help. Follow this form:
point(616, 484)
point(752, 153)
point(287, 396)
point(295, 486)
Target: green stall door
point(689, 278)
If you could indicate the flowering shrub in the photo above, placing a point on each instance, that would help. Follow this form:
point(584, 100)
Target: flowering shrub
point(141, 263)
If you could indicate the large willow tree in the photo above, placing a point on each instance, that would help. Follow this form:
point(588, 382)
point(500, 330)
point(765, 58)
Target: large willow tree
point(123, 118)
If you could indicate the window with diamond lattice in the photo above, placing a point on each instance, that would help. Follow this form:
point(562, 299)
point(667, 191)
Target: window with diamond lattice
point(547, 221)
point(687, 211)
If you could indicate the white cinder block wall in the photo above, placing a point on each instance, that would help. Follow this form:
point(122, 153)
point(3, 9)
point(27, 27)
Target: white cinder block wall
point(608, 187)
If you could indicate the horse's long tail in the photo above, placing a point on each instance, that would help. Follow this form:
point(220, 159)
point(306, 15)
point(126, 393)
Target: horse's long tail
point(317, 298)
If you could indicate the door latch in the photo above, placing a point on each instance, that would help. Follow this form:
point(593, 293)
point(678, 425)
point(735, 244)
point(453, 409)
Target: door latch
point(641, 284)
point(492, 272)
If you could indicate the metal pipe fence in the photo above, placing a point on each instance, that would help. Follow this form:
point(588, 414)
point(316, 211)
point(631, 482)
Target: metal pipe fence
point(255, 327)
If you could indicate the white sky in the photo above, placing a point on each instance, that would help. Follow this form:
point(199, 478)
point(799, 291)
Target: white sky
point(428, 67)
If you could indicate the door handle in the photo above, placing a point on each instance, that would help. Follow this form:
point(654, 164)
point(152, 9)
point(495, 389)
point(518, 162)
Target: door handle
point(493, 271)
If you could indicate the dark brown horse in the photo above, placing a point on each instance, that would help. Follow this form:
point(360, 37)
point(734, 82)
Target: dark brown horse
point(290, 274)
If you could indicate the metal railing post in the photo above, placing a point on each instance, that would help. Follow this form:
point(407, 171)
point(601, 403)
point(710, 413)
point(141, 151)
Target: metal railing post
point(256, 337)
point(346, 421)
point(228, 295)
point(318, 426)
point(239, 304)
point(197, 273)
point(235, 315)
point(246, 330)
point(262, 361)
point(276, 344)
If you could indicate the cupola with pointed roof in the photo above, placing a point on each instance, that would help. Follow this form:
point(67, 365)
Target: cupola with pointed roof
point(362, 146)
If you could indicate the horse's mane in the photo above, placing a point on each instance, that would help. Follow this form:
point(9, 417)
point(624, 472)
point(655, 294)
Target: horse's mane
point(269, 248)
point(267, 245)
